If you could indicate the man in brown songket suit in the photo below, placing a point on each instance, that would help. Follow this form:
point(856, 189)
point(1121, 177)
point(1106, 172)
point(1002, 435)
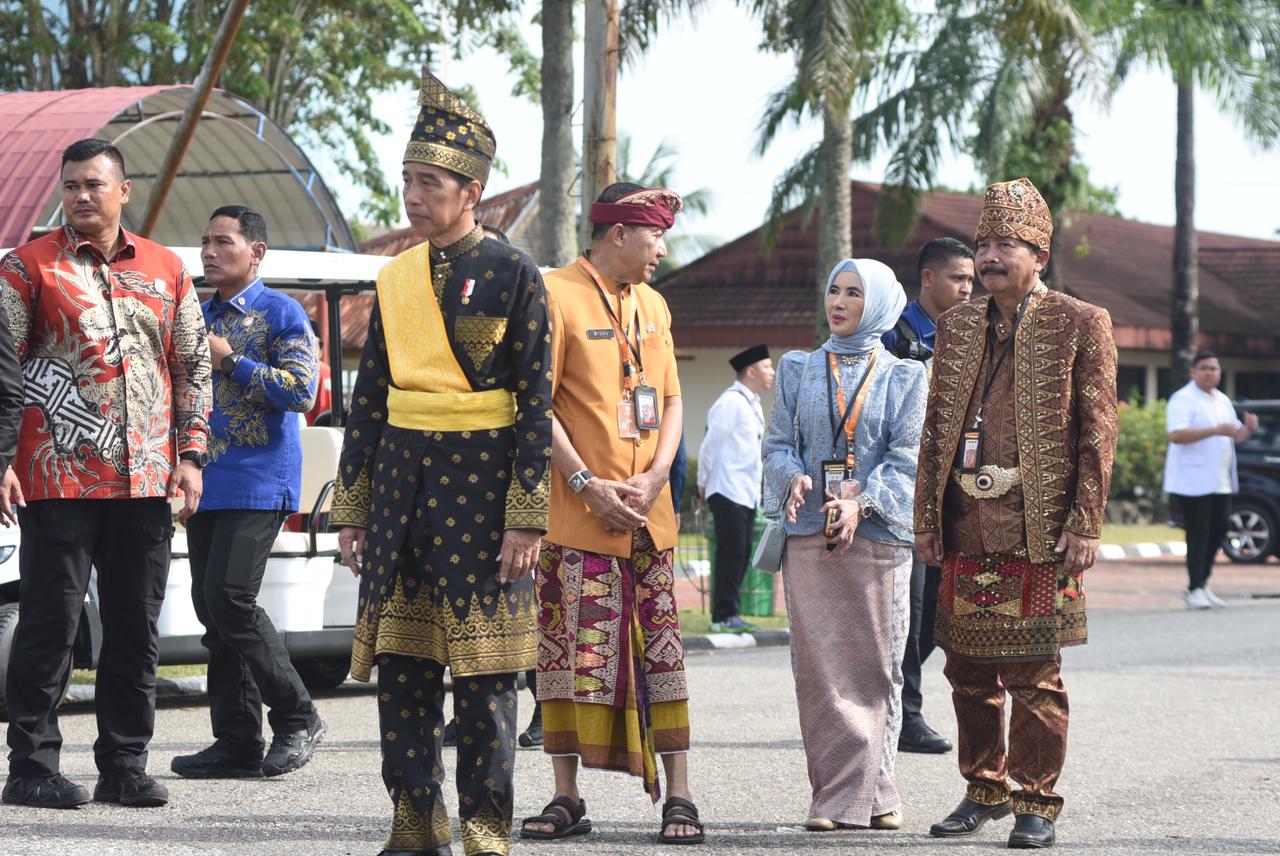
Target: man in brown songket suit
point(1015, 462)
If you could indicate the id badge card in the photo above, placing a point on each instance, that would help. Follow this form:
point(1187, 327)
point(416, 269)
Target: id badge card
point(627, 429)
point(833, 474)
point(970, 451)
point(646, 399)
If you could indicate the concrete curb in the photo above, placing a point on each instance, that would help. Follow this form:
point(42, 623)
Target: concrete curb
point(1145, 550)
point(726, 641)
point(166, 688)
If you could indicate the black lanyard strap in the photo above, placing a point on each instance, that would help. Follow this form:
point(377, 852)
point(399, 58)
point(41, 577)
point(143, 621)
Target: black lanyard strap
point(617, 323)
point(994, 363)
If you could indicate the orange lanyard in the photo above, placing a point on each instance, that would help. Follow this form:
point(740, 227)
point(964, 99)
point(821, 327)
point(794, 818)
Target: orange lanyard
point(632, 372)
point(852, 412)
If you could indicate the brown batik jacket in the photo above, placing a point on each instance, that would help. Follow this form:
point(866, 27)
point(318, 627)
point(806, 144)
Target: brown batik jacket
point(1064, 363)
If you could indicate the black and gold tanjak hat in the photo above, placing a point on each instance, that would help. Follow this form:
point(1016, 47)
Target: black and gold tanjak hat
point(450, 134)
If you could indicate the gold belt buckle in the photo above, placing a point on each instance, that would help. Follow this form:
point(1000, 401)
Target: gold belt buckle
point(988, 482)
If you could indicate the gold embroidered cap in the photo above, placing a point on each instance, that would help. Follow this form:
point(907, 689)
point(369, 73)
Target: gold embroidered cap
point(450, 134)
point(1015, 209)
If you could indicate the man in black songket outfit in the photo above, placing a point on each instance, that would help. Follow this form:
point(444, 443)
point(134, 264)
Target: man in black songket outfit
point(443, 489)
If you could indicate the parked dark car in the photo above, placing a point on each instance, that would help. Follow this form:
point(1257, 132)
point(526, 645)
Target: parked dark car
point(1254, 535)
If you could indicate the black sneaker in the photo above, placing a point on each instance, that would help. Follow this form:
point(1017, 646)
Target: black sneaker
point(56, 791)
point(216, 762)
point(133, 787)
point(532, 736)
point(292, 751)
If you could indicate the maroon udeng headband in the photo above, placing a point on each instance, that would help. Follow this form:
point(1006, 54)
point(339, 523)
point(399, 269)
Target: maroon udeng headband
point(643, 208)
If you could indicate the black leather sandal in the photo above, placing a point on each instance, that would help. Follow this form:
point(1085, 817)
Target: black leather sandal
point(680, 812)
point(565, 817)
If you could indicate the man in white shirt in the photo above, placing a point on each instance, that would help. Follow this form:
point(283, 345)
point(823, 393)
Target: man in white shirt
point(729, 473)
point(1200, 468)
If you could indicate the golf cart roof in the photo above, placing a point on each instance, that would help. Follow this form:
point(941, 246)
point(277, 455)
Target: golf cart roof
point(301, 270)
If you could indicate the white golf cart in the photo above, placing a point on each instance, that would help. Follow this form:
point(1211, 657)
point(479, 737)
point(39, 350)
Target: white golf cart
point(310, 598)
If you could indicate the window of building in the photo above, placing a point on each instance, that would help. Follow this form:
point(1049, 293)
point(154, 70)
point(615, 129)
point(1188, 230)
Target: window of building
point(1131, 383)
point(1257, 385)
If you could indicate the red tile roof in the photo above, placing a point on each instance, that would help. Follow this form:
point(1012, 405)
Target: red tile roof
point(737, 294)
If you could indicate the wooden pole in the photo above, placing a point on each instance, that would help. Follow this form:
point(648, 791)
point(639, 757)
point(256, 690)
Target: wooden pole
point(600, 100)
point(209, 73)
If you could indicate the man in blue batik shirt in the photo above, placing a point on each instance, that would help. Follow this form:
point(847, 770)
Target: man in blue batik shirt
point(265, 371)
point(946, 280)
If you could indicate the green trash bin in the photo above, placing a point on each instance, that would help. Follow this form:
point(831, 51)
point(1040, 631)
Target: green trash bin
point(756, 595)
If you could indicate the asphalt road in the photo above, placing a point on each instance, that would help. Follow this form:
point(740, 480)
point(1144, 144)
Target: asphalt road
point(1174, 749)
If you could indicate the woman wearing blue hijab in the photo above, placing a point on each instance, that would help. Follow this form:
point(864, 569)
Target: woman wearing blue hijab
point(842, 440)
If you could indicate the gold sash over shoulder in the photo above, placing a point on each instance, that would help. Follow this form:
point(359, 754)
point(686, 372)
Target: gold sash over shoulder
point(430, 391)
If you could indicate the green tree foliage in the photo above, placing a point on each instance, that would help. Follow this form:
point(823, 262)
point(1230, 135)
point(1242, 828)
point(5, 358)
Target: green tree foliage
point(313, 66)
point(1138, 473)
point(991, 79)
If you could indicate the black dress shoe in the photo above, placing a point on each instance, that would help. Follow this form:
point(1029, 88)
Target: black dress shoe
point(968, 818)
point(133, 787)
point(1031, 832)
point(56, 791)
point(216, 762)
point(292, 751)
point(919, 737)
point(532, 736)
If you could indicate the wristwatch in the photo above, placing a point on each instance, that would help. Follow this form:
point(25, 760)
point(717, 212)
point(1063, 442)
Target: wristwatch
point(578, 481)
point(200, 459)
point(229, 363)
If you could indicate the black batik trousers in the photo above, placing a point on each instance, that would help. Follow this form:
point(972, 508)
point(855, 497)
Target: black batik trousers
point(735, 526)
point(248, 664)
point(127, 541)
point(411, 717)
point(925, 581)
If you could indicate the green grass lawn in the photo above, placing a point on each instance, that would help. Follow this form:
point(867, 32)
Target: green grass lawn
point(87, 676)
point(1137, 533)
point(694, 622)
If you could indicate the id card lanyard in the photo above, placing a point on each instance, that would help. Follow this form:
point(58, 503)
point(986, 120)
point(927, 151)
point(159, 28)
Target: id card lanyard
point(971, 454)
point(638, 407)
point(632, 372)
point(850, 412)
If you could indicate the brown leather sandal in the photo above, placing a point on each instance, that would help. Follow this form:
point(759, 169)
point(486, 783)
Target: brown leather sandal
point(680, 812)
point(564, 815)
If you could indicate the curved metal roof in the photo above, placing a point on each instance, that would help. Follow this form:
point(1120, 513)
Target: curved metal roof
point(238, 156)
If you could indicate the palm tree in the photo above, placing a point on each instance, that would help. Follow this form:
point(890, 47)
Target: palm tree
point(557, 209)
point(992, 79)
point(1230, 49)
point(839, 46)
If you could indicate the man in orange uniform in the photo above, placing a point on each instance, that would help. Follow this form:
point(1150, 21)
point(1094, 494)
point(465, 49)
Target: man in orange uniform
point(610, 659)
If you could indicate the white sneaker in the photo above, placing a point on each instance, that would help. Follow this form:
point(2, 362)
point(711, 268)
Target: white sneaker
point(1196, 599)
point(1214, 601)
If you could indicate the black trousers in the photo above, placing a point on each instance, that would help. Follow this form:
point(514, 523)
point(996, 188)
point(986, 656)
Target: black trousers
point(734, 527)
point(127, 541)
point(925, 580)
point(1206, 519)
point(248, 664)
point(411, 717)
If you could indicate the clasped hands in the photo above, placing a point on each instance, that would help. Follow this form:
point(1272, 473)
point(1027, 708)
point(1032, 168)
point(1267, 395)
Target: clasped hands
point(623, 506)
point(846, 523)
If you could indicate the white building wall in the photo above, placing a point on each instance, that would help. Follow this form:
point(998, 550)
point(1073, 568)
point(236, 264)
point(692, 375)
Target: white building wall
point(703, 376)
